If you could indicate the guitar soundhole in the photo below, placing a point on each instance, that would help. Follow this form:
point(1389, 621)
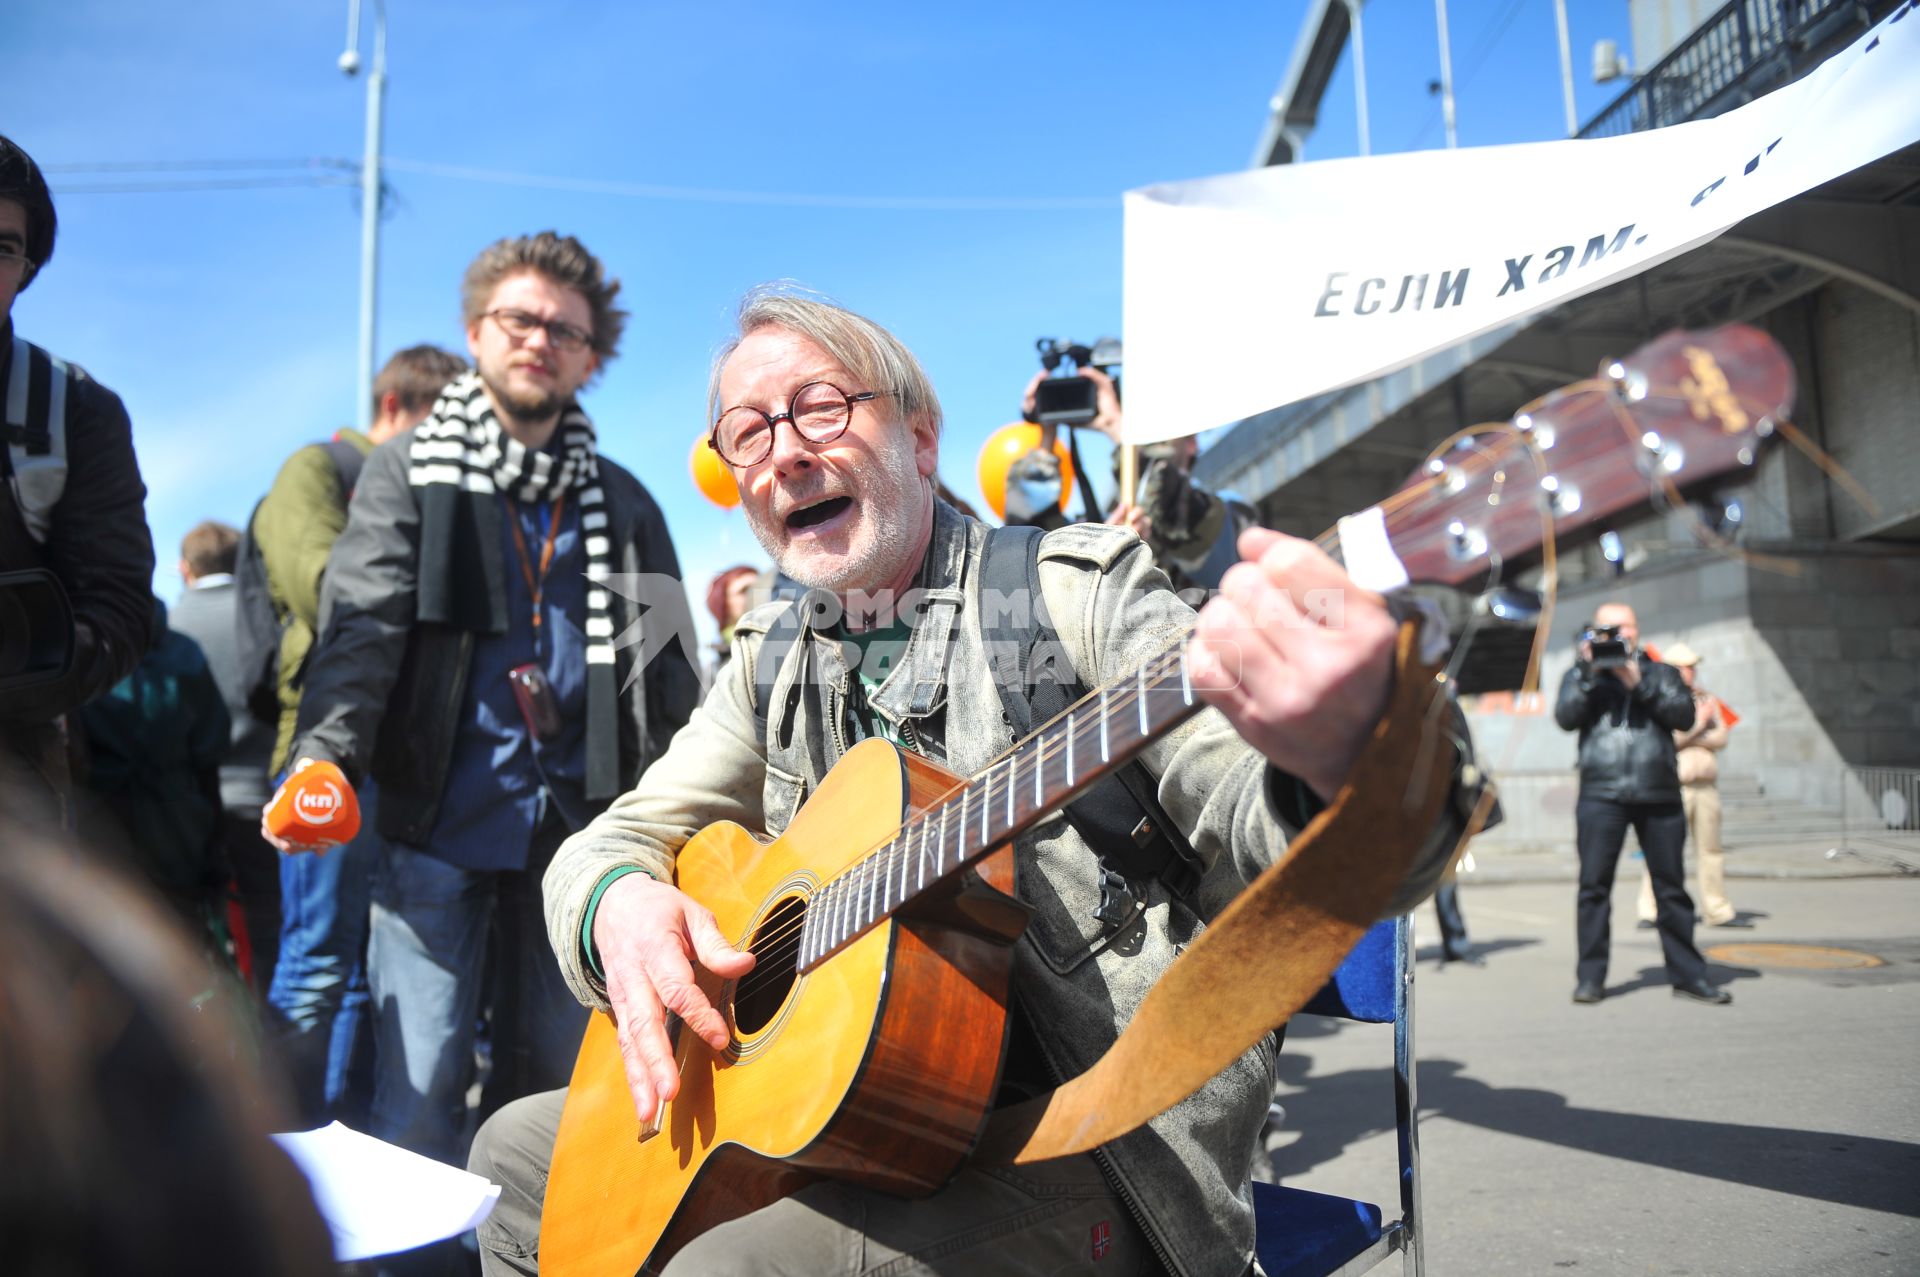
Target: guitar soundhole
point(761, 993)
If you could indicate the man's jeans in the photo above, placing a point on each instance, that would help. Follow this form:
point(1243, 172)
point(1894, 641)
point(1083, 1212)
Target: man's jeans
point(319, 991)
point(430, 955)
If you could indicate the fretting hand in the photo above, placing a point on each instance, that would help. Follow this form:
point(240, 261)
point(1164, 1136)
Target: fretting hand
point(1298, 657)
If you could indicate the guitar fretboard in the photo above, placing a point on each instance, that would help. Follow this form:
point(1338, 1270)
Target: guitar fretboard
point(1095, 735)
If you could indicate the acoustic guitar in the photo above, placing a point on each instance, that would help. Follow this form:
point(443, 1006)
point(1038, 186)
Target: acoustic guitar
point(866, 1043)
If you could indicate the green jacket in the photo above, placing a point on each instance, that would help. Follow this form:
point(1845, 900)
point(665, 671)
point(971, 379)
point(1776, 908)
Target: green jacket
point(295, 528)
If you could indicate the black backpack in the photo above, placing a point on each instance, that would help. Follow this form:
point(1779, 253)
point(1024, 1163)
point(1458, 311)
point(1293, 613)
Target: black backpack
point(257, 623)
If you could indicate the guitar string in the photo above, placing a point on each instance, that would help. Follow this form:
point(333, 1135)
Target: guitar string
point(892, 855)
point(883, 859)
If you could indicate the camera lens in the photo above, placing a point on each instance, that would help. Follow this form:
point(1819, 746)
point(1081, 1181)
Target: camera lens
point(16, 635)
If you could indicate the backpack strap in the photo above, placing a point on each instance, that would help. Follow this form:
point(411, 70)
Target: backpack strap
point(347, 460)
point(33, 398)
point(1120, 816)
point(35, 388)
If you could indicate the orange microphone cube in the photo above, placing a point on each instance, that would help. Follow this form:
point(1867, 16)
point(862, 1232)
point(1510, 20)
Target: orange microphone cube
point(315, 809)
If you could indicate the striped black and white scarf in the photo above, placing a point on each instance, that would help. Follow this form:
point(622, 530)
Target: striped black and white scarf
point(461, 461)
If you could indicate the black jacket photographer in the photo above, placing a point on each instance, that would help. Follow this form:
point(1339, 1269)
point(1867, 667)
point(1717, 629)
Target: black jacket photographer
point(1626, 709)
point(1626, 717)
point(75, 555)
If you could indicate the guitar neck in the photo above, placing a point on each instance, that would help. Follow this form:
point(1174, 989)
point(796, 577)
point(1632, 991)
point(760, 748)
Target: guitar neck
point(1091, 739)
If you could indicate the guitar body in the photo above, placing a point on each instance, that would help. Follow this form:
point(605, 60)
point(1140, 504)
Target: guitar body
point(877, 1066)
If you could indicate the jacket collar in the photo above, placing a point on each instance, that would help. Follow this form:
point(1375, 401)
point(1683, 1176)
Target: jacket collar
point(917, 684)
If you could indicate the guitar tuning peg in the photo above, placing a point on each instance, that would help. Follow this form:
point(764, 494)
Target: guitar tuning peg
point(1464, 544)
point(1562, 498)
point(1662, 454)
point(1540, 432)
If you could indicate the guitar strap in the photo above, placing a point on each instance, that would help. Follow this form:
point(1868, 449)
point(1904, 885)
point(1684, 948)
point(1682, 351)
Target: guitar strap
point(1268, 952)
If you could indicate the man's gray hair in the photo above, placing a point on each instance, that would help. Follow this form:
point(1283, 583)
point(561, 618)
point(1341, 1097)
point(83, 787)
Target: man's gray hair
point(872, 354)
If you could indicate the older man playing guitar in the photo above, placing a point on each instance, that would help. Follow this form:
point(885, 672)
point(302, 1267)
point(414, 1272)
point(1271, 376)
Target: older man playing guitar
point(833, 432)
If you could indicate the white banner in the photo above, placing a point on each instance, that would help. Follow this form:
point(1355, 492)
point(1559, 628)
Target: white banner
point(1252, 290)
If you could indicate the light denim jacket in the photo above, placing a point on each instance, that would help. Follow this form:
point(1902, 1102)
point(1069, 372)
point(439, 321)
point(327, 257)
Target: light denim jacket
point(1185, 1173)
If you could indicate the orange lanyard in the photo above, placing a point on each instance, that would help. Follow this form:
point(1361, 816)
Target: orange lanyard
point(536, 582)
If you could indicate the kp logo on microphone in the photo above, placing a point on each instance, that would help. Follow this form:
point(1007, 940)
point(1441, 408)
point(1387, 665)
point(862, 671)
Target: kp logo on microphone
point(320, 805)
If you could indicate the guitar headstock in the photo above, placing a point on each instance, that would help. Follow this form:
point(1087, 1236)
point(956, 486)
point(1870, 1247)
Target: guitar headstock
point(1682, 410)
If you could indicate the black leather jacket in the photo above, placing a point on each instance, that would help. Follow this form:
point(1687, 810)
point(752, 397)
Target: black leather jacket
point(95, 540)
point(1626, 738)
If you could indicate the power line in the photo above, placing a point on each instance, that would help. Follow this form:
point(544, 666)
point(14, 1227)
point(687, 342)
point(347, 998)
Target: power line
point(196, 166)
point(710, 195)
point(209, 184)
point(339, 172)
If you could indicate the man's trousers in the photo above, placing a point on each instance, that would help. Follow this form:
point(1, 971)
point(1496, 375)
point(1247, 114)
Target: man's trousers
point(319, 990)
point(1601, 828)
point(1056, 1217)
point(1702, 804)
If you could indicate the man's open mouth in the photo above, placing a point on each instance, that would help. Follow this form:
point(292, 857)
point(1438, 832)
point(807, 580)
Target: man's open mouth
point(818, 513)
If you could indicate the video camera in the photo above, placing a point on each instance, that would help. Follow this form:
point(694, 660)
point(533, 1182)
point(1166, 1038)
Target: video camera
point(36, 632)
point(1064, 399)
point(1610, 651)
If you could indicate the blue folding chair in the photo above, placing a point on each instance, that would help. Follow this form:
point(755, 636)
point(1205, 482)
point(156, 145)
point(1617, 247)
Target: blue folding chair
point(1305, 1234)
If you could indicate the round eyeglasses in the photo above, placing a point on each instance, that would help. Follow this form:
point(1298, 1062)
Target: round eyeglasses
point(819, 412)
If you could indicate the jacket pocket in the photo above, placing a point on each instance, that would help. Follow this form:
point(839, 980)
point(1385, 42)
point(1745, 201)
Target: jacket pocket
point(1060, 877)
point(781, 798)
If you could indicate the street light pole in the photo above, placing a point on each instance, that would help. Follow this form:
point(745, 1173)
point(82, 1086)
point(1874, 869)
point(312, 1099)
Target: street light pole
point(1566, 67)
point(1359, 77)
point(1446, 76)
point(369, 188)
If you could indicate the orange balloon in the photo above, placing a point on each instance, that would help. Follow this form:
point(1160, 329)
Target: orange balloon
point(713, 476)
point(1007, 445)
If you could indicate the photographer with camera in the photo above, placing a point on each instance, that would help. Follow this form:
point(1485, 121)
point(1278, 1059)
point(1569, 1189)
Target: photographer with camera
point(76, 560)
point(1190, 531)
point(1626, 707)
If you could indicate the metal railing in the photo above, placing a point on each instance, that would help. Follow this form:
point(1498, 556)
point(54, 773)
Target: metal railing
point(1870, 806)
point(1705, 73)
point(1880, 799)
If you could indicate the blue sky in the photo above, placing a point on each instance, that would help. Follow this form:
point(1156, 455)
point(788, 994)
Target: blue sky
point(227, 319)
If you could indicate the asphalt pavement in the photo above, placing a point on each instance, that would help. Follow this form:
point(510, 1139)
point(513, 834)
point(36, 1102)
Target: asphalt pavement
point(1647, 1134)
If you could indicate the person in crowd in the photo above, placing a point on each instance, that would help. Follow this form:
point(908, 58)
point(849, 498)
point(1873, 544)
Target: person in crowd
point(1696, 749)
point(72, 520)
point(1626, 707)
point(833, 432)
point(1191, 531)
point(134, 1125)
point(319, 990)
point(206, 614)
point(467, 665)
point(730, 596)
point(155, 743)
point(1454, 944)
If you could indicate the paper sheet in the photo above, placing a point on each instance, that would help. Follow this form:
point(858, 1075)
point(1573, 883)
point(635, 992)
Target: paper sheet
point(379, 1198)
